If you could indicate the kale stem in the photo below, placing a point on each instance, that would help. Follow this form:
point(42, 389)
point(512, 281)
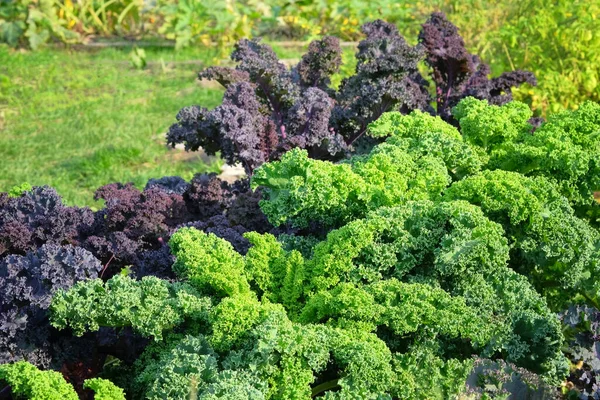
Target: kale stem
point(593, 302)
point(324, 386)
point(106, 265)
point(357, 137)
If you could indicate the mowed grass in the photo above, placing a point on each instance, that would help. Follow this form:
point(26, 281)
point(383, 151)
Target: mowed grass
point(79, 120)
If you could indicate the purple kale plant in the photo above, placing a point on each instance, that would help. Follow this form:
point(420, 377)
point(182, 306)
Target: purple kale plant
point(38, 217)
point(27, 283)
point(387, 79)
point(268, 109)
point(133, 227)
point(131, 223)
point(322, 60)
point(457, 73)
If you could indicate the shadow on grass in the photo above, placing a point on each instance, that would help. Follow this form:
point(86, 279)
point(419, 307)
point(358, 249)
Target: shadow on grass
point(111, 164)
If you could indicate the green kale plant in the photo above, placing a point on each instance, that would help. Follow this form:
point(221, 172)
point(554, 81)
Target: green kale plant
point(28, 382)
point(423, 283)
point(432, 267)
point(538, 185)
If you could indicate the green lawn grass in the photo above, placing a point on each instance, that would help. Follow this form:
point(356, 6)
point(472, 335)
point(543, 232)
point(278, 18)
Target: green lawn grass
point(78, 120)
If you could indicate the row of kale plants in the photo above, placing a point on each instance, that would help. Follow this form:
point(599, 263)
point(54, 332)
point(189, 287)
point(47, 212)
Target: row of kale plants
point(399, 237)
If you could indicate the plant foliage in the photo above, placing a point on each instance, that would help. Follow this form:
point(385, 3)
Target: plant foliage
point(420, 260)
point(268, 109)
point(28, 382)
point(432, 262)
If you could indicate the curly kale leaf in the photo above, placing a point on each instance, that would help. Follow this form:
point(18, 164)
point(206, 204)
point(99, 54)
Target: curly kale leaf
point(490, 126)
point(150, 306)
point(404, 308)
point(27, 284)
point(274, 82)
point(557, 251)
point(208, 262)
point(268, 109)
point(208, 196)
point(26, 381)
point(322, 60)
point(33, 278)
point(131, 222)
point(38, 216)
point(564, 149)
point(422, 134)
point(308, 124)
point(274, 273)
point(303, 190)
point(414, 163)
point(268, 113)
point(133, 227)
point(236, 128)
point(104, 389)
point(195, 129)
point(246, 135)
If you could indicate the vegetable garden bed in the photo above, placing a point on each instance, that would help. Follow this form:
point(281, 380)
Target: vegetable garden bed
point(400, 235)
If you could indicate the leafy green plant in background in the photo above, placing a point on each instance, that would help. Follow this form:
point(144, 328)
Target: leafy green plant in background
point(138, 58)
point(312, 18)
point(221, 22)
point(12, 21)
point(122, 17)
point(32, 23)
point(560, 44)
